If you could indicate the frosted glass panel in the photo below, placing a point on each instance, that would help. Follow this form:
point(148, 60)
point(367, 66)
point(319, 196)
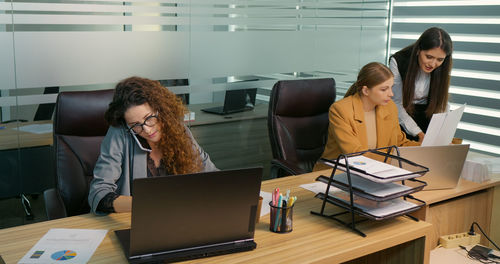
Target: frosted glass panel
point(6, 61)
point(71, 58)
point(240, 53)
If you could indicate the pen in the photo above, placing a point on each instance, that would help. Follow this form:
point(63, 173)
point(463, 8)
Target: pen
point(278, 213)
point(283, 217)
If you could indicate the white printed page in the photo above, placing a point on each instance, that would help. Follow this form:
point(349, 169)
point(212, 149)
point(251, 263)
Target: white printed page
point(442, 127)
point(62, 245)
point(374, 167)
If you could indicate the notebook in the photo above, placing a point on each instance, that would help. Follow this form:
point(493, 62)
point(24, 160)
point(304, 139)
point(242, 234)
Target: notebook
point(189, 216)
point(445, 164)
point(235, 101)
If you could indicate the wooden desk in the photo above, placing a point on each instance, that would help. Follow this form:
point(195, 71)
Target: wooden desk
point(452, 211)
point(236, 140)
point(11, 138)
point(313, 240)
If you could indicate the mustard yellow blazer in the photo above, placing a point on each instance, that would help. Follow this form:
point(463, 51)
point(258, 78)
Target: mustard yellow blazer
point(347, 129)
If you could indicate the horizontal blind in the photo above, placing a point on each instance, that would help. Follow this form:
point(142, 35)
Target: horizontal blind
point(474, 27)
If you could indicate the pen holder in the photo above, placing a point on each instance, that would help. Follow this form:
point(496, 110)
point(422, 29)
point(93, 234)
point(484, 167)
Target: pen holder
point(281, 218)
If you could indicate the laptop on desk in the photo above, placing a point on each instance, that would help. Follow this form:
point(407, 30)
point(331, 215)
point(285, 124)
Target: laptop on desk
point(445, 164)
point(182, 217)
point(235, 101)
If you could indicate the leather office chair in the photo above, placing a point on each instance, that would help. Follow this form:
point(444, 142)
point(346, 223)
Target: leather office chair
point(298, 124)
point(79, 128)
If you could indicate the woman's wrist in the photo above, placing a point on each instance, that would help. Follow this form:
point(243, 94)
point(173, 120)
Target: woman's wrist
point(122, 204)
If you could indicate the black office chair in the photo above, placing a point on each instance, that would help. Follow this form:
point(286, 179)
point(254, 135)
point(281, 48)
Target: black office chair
point(79, 128)
point(298, 124)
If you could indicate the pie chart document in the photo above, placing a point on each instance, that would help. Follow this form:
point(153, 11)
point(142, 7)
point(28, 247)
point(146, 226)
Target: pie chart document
point(63, 245)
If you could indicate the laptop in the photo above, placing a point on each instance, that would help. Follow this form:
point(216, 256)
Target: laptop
point(189, 216)
point(235, 101)
point(445, 164)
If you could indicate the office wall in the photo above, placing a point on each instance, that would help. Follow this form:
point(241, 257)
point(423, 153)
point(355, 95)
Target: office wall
point(197, 47)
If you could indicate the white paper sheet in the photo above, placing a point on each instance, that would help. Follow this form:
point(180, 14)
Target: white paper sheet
point(266, 198)
point(376, 189)
point(317, 187)
point(61, 245)
point(442, 127)
point(378, 209)
point(36, 128)
point(374, 167)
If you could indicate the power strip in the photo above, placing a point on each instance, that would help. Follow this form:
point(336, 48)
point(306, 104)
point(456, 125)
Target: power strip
point(461, 239)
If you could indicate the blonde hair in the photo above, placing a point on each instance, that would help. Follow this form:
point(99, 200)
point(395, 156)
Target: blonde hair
point(370, 75)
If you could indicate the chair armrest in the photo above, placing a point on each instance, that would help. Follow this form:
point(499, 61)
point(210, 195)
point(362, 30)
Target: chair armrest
point(281, 168)
point(54, 206)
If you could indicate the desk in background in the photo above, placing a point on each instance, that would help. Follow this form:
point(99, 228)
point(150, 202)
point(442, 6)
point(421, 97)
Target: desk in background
point(236, 140)
point(314, 239)
point(26, 160)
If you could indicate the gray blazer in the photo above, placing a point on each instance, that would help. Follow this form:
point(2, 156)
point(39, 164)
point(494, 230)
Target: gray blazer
point(120, 159)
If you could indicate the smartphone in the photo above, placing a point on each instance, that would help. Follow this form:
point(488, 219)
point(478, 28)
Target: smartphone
point(143, 144)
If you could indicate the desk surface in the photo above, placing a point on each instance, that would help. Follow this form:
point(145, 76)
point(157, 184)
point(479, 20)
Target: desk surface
point(464, 187)
point(313, 239)
point(11, 138)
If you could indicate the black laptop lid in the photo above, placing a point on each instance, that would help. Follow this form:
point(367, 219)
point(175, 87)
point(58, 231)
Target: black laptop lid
point(183, 211)
point(237, 100)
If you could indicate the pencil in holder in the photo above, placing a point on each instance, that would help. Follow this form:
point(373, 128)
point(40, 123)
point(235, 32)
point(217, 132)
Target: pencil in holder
point(281, 218)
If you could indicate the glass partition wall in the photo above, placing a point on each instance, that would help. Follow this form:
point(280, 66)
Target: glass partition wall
point(199, 49)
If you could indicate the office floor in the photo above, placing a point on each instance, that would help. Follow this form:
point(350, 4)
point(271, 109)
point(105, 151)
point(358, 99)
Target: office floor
point(12, 212)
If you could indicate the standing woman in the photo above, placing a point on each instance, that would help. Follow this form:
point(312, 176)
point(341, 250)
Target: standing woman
point(147, 138)
point(421, 80)
point(366, 118)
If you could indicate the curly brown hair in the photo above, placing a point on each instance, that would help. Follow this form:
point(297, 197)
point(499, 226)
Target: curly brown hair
point(178, 153)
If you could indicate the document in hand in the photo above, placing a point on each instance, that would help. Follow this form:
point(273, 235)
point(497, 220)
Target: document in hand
point(442, 127)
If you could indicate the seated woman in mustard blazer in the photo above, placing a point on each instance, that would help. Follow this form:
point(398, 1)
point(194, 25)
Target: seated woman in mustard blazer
point(366, 118)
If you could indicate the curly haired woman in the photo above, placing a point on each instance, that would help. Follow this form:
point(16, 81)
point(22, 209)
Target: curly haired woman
point(147, 138)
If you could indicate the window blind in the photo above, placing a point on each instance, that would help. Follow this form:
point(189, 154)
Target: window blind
point(474, 27)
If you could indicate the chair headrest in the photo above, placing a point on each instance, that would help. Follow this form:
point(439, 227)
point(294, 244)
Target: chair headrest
point(82, 113)
point(295, 98)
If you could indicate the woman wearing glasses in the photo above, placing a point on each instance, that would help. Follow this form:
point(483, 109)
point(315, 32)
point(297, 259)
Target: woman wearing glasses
point(147, 138)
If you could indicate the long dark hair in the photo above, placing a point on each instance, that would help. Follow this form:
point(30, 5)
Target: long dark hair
point(176, 147)
point(372, 74)
point(440, 77)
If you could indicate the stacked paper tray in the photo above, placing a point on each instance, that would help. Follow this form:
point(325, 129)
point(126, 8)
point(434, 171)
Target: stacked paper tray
point(377, 171)
point(373, 209)
point(372, 190)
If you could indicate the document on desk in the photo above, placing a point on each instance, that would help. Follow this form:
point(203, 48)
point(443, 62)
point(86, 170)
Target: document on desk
point(318, 187)
point(373, 188)
point(266, 198)
point(374, 167)
point(442, 127)
point(65, 246)
point(377, 209)
point(36, 128)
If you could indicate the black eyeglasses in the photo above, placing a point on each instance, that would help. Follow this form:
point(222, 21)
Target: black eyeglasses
point(150, 121)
